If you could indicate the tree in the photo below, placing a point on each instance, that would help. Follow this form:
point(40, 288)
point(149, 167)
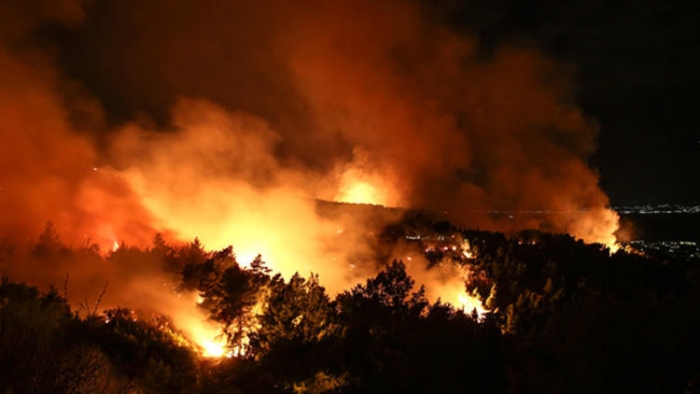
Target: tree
point(48, 242)
point(393, 341)
point(149, 357)
point(298, 322)
point(229, 292)
point(41, 349)
point(298, 310)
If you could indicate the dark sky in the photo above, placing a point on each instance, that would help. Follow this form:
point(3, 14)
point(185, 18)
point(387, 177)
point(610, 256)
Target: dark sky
point(634, 64)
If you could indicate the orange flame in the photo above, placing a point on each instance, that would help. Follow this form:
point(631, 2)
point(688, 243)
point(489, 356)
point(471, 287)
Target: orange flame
point(467, 250)
point(454, 293)
point(204, 333)
point(361, 187)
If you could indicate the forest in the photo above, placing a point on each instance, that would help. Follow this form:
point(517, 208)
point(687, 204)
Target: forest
point(561, 316)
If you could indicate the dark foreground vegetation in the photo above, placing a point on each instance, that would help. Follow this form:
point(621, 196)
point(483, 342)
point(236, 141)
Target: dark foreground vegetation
point(566, 318)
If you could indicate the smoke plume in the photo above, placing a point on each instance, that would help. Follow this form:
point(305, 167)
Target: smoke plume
point(381, 100)
point(227, 120)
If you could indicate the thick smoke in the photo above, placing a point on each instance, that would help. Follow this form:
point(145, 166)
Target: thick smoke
point(366, 91)
point(445, 128)
point(215, 176)
point(226, 120)
point(48, 169)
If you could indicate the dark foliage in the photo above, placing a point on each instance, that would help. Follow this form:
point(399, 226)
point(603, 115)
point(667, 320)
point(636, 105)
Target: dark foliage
point(565, 317)
point(143, 353)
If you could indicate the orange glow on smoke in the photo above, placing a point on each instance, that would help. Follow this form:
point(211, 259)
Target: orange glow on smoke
point(360, 193)
point(467, 250)
point(212, 344)
point(445, 282)
point(360, 187)
point(210, 341)
point(597, 226)
point(454, 293)
point(469, 303)
point(433, 125)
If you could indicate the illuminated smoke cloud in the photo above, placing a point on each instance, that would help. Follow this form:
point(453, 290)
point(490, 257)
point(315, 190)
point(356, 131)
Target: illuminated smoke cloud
point(446, 128)
point(215, 177)
point(224, 120)
point(380, 101)
point(49, 171)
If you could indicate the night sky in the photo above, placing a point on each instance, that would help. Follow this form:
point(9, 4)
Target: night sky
point(636, 68)
point(635, 65)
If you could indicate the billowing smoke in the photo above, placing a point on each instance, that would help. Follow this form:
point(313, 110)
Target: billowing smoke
point(48, 167)
point(445, 128)
point(215, 177)
point(375, 95)
point(226, 120)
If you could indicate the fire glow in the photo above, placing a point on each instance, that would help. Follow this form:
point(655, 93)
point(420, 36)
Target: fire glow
point(359, 187)
point(207, 336)
point(432, 126)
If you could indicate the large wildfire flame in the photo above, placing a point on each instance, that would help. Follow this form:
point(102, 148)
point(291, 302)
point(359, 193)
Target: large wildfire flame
point(358, 189)
point(353, 101)
point(206, 334)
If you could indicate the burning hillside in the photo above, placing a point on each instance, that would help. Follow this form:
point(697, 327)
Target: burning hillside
point(181, 318)
point(229, 130)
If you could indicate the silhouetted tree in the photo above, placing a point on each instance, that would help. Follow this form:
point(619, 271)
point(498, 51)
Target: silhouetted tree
point(41, 350)
point(148, 356)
